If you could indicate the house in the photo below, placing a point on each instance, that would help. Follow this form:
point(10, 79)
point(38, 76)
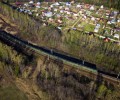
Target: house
point(59, 28)
point(50, 19)
point(92, 8)
point(38, 3)
point(61, 11)
point(96, 30)
point(59, 21)
point(56, 4)
point(66, 8)
point(118, 20)
point(106, 39)
point(75, 14)
point(68, 4)
point(68, 12)
point(78, 6)
point(113, 21)
point(117, 29)
point(18, 3)
point(55, 9)
point(48, 14)
point(109, 22)
point(93, 18)
point(101, 6)
point(31, 2)
point(60, 7)
point(37, 15)
point(116, 36)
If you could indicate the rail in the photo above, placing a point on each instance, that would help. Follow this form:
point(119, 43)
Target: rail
point(66, 59)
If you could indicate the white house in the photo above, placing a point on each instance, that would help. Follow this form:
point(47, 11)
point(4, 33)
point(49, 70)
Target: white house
point(38, 3)
point(48, 14)
point(93, 18)
point(101, 6)
point(92, 8)
point(116, 36)
point(96, 30)
point(55, 10)
point(31, 2)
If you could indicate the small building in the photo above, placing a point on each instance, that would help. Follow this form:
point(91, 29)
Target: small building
point(31, 2)
point(48, 14)
point(116, 36)
point(101, 6)
point(92, 8)
point(18, 3)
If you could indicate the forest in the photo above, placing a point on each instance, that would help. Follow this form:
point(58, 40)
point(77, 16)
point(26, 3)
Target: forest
point(26, 77)
point(82, 46)
point(108, 3)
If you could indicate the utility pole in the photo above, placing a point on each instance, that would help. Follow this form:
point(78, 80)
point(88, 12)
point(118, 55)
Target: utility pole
point(118, 75)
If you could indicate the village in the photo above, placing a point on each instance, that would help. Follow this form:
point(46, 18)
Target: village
point(102, 21)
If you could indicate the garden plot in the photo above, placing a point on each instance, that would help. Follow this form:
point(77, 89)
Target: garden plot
point(75, 16)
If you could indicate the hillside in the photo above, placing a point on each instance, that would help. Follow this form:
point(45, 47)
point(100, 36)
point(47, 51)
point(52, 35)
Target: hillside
point(74, 43)
point(26, 75)
point(43, 79)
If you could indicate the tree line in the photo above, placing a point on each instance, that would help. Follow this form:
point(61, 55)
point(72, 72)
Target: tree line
point(104, 55)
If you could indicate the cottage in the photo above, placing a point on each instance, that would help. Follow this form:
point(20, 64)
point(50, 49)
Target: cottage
point(37, 6)
point(58, 15)
point(31, 2)
point(59, 21)
point(60, 7)
point(113, 21)
point(106, 39)
point(48, 14)
point(56, 4)
point(55, 10)
point(75, 14)
point(92, 8)
point(26, 5)
point(109, 22)
point(93, 18)
point(61, 11)
point(98, 26)
point(59, 28)
point(30, 13)
point(101, 6)
point(38, 3)
point(50, 19)
point(18, 3)
point(68, 4)
point(96, 30)
point(66, 8)
point(37, 15)
point(51, 6)
point(118, 20)
point(68, 12)
point(78, 6)
point(116, 36)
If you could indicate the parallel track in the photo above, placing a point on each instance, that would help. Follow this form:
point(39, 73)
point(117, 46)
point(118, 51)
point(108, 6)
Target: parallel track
point(87, 67)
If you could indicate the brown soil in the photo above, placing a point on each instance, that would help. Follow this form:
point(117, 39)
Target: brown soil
point(8, 26)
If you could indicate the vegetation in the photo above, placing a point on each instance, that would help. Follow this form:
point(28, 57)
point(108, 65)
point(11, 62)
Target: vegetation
point(11, 93)
point(55, 81)
point(104, 55)
point(61, 82)
point(108, 3)
point(53, 77)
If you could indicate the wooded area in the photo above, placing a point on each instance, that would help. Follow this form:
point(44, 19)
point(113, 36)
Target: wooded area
point(104, 55)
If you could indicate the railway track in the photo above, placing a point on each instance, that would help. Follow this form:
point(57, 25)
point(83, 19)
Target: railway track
point(85, 67)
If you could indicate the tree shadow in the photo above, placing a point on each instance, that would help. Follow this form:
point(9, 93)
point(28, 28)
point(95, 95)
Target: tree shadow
point(99, 80)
